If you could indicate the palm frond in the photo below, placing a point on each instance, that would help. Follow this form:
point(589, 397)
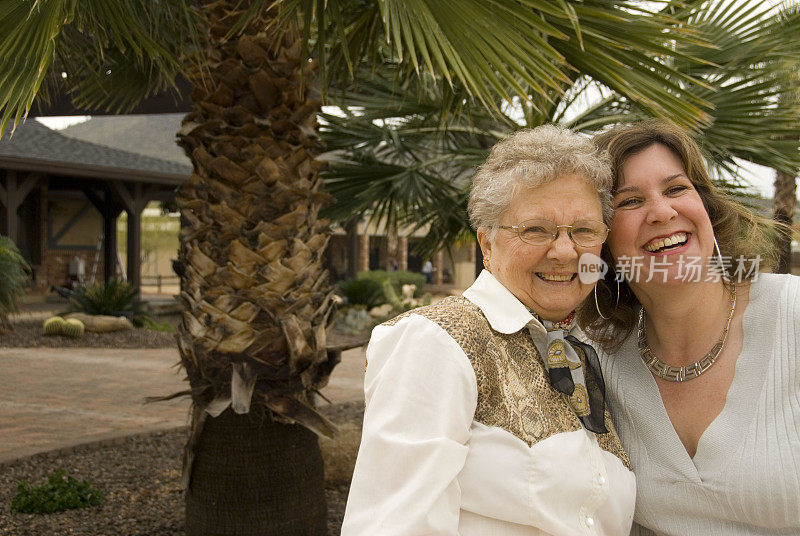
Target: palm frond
point(14, 272)
point(751, 87)
point(751, 116)
point(636, 62)
point(122, 50)
point(28, 35)
point(500, 50)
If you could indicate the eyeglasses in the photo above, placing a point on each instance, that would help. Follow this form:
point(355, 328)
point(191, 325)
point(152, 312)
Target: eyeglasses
point(585, 233)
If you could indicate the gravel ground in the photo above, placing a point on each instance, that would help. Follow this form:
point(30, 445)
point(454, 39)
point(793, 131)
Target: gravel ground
point(139, 479)
point(29, 334)
point(139, 476)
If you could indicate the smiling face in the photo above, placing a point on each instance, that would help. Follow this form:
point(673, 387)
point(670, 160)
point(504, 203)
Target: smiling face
point(544, 278)
point(659, 217)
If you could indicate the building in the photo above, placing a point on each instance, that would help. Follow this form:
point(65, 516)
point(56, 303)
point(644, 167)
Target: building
point(66, 190)
point(60, 199)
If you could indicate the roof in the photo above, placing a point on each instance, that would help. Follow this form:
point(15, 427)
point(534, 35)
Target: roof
point(34, 147)
point(149, 135)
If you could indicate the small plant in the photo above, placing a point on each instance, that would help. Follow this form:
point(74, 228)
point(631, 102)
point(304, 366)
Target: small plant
point(397, 278)
point(14, 272)
point(151, 324)
point(115, 298)
point(73, 328)
point(366, 292)
point(401, 305)
point(62, 492)
point(355, 320)
point(392, 298)
point(53, 326)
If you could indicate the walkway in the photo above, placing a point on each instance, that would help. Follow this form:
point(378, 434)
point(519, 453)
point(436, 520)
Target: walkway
point(58, 398)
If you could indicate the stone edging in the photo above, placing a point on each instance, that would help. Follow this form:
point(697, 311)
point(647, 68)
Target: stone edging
point(100, 440)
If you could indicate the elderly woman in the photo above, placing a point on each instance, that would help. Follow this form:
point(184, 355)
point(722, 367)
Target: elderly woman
point(703, 372)
point(484, 413)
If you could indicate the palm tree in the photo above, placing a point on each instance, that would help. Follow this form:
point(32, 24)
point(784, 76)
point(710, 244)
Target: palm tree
point(785, 196)
point(389, 154)
point(256, 301)
point(784, 206)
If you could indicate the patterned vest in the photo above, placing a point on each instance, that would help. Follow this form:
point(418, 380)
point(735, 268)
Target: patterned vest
point(514, 392)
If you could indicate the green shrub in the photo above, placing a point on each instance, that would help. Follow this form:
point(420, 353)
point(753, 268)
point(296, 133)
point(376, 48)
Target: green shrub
point(14, 272)
point(61, 492)
point(115, 298)
point(366, 292)
point(397, 279)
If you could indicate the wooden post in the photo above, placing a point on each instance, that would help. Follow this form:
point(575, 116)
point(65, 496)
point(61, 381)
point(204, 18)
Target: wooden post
point(12, 194)
point(134, 198)
point(135, 239)
point(110, 242)
point(110, 210)
point(8, 224)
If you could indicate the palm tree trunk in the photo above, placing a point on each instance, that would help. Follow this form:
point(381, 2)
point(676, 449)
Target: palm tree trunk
point(784, 204)
point(255, 295)
point(244, 470)
point(351, 228)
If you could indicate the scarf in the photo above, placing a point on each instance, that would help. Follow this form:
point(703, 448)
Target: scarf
point(582, 386)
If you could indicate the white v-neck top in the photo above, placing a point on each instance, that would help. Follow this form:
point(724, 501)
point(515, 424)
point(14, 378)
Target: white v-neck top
point(745, 476)
point(426, 466)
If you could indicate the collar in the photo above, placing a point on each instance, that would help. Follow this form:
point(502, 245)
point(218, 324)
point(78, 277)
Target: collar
point(506, 314)
point(501, 308)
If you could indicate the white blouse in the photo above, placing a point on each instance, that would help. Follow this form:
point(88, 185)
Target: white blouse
point(425, 466)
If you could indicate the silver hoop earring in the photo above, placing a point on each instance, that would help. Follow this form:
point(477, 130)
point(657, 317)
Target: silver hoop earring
point(597, 305)
point(721, 263)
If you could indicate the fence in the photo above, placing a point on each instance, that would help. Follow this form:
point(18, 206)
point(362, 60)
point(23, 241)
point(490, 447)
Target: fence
point(159, 280)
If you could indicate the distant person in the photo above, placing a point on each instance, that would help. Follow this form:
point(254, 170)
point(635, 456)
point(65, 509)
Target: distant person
point(427, 271)
point(484, 413)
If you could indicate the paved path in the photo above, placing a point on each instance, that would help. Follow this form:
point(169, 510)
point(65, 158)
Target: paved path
point(53, 398)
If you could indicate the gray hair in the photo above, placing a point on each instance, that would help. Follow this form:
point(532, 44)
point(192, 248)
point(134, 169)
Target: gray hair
point(530, 158)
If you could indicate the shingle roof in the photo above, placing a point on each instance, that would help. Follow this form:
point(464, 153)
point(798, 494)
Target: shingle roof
point(34, 147)
point(150, 135)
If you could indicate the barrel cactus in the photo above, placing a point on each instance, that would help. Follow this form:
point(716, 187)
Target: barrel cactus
point(73, 328)
point(54, 325)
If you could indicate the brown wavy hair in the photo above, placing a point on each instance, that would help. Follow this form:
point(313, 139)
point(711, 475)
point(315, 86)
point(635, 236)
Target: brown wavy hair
point(739, 232)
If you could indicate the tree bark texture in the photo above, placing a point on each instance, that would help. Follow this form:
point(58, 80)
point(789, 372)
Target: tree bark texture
point(255, 295)
point(784, 204)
